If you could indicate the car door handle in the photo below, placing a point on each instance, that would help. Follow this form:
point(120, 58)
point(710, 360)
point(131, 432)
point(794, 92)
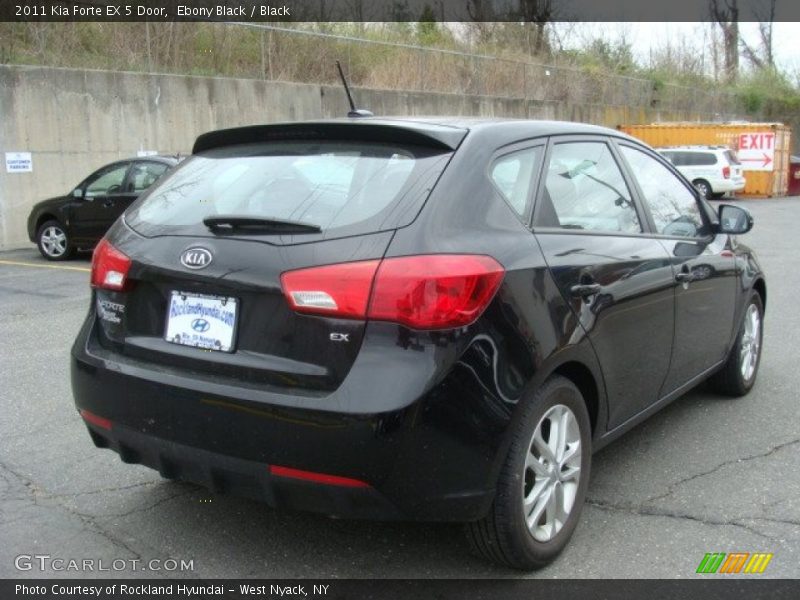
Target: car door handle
point(585, 289)
point(108, 203)
point(684, 277)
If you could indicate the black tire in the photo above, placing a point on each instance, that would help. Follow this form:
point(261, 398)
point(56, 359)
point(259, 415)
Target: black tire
point(503, 536)
point(50, 250)
point(702, 186)
point(731, 380)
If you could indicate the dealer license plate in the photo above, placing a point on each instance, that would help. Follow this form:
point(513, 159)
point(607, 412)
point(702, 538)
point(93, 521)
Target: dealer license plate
point(201, 321)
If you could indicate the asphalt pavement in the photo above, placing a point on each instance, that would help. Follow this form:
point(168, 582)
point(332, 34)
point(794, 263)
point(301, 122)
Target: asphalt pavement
point(706, 474)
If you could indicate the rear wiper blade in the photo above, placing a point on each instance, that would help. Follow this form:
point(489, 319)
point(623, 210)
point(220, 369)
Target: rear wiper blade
point(219, 223)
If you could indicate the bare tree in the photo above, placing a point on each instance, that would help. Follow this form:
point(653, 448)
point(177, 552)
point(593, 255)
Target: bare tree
point(539, 13)
point(762, 56)
point(482, 14)
point(726, 14)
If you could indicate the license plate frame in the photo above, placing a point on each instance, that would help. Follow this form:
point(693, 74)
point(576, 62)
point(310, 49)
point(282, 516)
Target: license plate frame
point(220, 313)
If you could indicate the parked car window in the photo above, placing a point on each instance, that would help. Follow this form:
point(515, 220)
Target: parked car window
point(705, 158)
point(513, 176)
point(145, 174)
point(107, 182)
point(584, 189)
point(671, 157)
point(673, 206)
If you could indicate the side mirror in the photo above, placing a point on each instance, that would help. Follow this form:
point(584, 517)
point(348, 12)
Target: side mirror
point(77, 193)
point(734, 219)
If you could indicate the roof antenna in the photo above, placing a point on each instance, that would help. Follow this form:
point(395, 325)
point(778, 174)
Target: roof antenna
point(353, 112)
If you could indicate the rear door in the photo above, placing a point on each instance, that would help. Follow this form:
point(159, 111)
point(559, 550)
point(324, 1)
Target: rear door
point(705, 276)
point(616, 278)
point(208, 300)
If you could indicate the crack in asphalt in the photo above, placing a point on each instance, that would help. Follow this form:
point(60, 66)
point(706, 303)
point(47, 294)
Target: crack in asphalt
point(89, 521)
point(672, 486)
point(126, 513)
point(121, 488)
point(646, 508)
point(643, 511)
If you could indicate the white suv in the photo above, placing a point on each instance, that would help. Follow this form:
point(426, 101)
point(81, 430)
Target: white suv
point(713, 170)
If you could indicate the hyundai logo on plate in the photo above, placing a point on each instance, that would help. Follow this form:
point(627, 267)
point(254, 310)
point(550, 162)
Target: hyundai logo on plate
point(200, 325)
point(196, 258)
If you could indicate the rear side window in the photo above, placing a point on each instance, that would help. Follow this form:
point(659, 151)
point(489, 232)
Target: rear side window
point(584, 189)
point(143, 175)
point(704, 159)
point(345, 186)
point(513, 176)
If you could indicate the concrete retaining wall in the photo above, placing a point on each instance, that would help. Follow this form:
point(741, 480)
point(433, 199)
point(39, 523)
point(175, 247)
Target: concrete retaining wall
point(74, 121)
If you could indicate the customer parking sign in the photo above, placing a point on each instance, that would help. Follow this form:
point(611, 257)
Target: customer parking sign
point(19, 162)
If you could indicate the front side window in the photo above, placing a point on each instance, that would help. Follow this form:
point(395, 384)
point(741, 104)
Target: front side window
point(584, 189)
point(107, 182)
point(513, 174)
point(673, 206)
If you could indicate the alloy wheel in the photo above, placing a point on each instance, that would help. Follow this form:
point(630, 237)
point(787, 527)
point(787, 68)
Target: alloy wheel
point(54, 241)
point(551, 473)
point(751, 342)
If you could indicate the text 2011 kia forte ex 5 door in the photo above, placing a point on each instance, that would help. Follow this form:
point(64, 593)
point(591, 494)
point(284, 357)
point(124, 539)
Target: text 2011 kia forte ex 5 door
point(418, 319)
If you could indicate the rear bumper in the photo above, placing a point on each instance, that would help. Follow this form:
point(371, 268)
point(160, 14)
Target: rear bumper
point(251, 479)
point(730, 185)
point(435, 458)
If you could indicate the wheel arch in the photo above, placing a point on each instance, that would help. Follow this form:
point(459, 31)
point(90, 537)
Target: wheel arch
point(760, 286)
point(697, 180)
point(583, 378)
point(44, 218)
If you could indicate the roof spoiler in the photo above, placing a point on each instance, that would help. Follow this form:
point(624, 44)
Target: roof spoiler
point(364, 130)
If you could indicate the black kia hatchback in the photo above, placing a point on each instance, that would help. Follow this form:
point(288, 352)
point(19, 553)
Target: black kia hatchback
point(417, 319)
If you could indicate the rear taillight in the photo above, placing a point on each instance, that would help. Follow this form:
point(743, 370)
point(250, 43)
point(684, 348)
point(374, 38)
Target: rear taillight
point(434, 292)
point(336, 290)
point(726, 172)
point(439, 291)
point(109, 267)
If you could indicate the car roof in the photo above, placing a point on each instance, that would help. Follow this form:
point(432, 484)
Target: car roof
point(698, 148)
point(165, 158)
point(445, 131)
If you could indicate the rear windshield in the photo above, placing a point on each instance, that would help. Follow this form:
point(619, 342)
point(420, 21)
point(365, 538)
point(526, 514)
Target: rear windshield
point(340, 187)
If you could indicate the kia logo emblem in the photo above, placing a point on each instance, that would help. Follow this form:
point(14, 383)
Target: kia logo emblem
point(196, 258)
point(201, 325)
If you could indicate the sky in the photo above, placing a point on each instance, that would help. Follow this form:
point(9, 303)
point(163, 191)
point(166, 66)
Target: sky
point(644, 36)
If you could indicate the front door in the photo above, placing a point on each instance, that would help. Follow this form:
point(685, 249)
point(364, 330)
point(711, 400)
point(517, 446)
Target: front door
point(617, 279)
point(96, 211)
point(704, 269)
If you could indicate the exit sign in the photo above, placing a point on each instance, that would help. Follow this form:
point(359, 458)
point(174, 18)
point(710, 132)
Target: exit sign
point(757, 151)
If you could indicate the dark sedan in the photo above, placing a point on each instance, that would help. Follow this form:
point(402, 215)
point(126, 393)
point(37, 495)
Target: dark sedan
point(60, 226)
point(418, 319)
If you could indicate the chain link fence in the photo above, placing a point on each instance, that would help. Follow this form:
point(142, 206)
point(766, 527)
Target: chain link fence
point(262, 51)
